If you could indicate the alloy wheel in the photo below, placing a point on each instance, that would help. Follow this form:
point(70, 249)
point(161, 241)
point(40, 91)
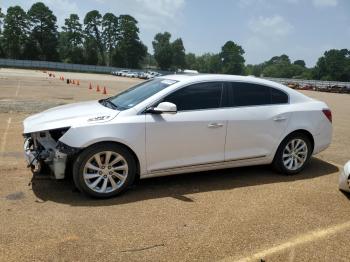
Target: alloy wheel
point(105, 172)
point(295, 154)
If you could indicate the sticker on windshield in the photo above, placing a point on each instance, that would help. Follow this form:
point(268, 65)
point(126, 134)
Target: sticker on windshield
point(168, 82)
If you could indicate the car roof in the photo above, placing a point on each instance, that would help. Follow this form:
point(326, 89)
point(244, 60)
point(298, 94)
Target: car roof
point(216, 77)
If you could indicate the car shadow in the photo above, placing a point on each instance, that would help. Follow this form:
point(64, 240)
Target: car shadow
point(177, 186)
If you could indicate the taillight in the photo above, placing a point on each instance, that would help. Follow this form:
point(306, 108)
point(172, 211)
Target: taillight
point(328, 114)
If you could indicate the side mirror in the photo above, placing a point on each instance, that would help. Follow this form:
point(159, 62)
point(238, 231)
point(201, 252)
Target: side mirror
point(163, 108)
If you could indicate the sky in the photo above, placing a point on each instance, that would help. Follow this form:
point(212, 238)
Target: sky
point(302, 29)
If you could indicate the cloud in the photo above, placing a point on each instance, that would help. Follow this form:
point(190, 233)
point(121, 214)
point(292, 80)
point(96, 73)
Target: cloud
point(325, 3)
point(275, 26)
point(316, 3)
point(267, 36)
point(152, 14)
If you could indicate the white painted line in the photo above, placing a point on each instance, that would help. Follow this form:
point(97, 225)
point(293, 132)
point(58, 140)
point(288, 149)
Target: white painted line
point(299, 240)
point(18, 87)
point(4, 136)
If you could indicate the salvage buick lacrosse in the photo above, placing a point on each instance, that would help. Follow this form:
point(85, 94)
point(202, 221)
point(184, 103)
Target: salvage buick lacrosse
point(177, 124)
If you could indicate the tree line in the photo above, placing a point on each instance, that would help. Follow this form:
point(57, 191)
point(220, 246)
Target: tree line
point(114, 41)
point(100, 40)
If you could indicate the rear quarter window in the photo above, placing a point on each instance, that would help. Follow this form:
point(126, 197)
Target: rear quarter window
point(278, 96)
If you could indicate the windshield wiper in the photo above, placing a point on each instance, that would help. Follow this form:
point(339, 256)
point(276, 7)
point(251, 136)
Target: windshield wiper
point(108, 103)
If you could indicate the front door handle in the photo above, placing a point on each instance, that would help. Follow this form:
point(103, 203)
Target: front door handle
point(215, 125)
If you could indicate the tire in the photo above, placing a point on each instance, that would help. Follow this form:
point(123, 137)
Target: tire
point(294, 161)
point(96, 178)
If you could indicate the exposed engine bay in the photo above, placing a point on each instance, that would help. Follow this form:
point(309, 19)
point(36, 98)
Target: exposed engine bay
point(42, 149)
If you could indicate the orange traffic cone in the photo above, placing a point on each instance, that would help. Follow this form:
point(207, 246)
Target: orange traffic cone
point(98, 88)
point(104, 91)
point(90, 86)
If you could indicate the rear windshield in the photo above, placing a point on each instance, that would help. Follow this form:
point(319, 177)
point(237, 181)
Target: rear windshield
point(139, 93)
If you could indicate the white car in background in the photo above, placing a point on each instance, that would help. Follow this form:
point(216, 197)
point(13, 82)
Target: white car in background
point(131, 74)
point(123, 72)
point(344, 178)
point(151, 75)
point(178, 124)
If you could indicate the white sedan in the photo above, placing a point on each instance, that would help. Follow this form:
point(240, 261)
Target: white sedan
point(178, 124)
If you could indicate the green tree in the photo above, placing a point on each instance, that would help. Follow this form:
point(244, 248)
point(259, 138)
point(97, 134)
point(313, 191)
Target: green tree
point(109, 34)
point(190, 59)
point(130, 51)
point(43, 36)
point(179, 57)
point(92, 22)
point(71, 41)
point(255, 70)
point(206, 63)
point(209, 63)
point(277, 60)
point(163, 52)
point(15, 32)
point(232, 58)
point(333, 65)
point(280, 67)
point(300, 63)
point(148, 61)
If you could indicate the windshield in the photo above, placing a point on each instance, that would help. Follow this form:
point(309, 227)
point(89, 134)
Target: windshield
point(139, 93)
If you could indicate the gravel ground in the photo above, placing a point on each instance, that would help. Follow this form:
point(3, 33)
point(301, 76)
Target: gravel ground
point(245, 214)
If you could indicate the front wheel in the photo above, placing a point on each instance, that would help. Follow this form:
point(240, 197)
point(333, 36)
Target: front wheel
point(104, 170)
point(293, 154)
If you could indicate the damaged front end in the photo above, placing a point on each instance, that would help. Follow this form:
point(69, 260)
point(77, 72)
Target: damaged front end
point(44, 150)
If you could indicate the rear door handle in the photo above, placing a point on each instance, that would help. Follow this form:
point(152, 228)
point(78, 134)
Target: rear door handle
point(280, 118)
point(215, 125)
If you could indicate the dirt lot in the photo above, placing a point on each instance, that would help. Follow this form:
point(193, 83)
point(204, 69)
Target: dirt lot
point(243, 214)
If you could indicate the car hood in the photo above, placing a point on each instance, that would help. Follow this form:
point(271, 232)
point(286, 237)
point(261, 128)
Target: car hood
point(83, 113)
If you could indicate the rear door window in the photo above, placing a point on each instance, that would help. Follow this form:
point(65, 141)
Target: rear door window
point(249, 94)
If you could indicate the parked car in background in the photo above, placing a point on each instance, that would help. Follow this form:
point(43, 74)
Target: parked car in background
point(151, 75)
point(122, 72)
point(131, 74)
point(187, 71)
point(142, 75)
point(177, 124)
point(344, 178)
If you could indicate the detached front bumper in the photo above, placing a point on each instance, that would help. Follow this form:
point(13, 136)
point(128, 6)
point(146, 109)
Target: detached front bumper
point(344, 178)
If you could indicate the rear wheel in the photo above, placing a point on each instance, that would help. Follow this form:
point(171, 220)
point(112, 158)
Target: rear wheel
point(104, 170)
point(293, 154)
